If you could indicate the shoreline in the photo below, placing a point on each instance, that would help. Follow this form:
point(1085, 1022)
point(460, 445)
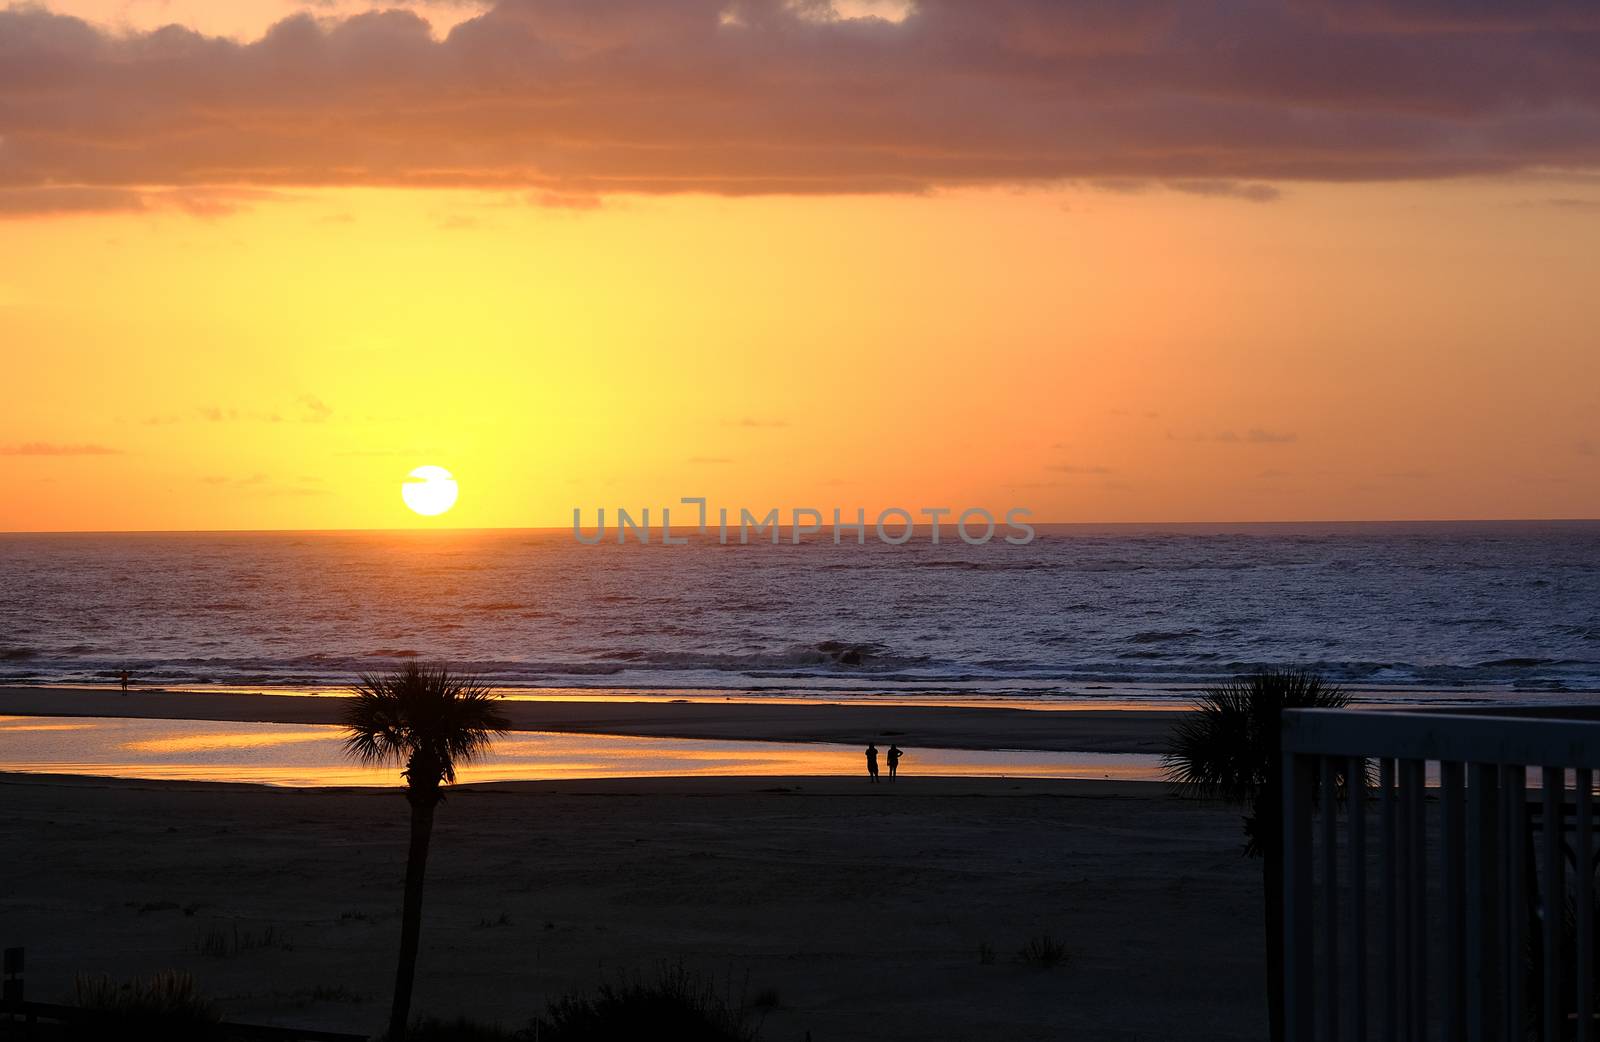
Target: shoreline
point(810, 785)
point(946, 727)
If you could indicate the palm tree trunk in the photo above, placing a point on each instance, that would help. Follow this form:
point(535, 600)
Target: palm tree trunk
point(1272, 893)
point(411, 916)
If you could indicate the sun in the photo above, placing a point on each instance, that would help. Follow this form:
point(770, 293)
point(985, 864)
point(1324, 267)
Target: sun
point(429, 491)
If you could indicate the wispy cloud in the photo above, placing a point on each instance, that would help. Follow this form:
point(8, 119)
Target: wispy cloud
point(228, 414)
point(1253, 192)
point(259, 483)
point(1259, 436)
point(56, 200)
point(311, 409)
point(315, 410)
point(1253, 436)
point(55, 448)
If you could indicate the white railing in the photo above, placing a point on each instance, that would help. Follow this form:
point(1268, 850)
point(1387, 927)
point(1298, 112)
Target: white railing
point(1470, 913)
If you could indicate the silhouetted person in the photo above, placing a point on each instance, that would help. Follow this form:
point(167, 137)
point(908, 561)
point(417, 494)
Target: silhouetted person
point(872, 762)
point(894, 760)
point(124, 678)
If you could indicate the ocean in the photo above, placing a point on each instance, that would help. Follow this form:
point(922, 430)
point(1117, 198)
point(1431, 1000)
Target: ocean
point(1399, 612)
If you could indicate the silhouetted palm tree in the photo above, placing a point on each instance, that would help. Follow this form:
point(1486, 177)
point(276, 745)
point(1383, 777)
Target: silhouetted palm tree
point(1229, 748)
point(429, 721)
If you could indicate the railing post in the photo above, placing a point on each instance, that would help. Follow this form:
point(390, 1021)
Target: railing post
point(1355, 787)
point(1389, 877)
point(1452, 825)
point(1327, 782)
point(1514, 817)
point(1553, 900)
point(1413, 776)
point(1298, 981)
point(1484, 974)
point(1583, 882)
point(15, 961)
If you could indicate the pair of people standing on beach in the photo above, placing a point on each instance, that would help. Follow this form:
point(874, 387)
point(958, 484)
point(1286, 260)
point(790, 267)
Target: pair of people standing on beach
point(893, 758)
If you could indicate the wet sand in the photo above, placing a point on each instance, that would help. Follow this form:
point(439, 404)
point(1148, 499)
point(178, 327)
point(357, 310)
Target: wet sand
point(950, 727)
point(863, 909)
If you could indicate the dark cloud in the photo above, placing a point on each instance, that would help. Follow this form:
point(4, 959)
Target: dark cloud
point(1458, 15)
point(53, 448)
point(574, 99)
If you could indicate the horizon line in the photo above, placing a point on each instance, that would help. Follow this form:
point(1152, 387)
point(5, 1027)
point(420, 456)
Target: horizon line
point(918, 527)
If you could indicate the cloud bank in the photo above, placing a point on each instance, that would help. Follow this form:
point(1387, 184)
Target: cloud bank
point(573, 99)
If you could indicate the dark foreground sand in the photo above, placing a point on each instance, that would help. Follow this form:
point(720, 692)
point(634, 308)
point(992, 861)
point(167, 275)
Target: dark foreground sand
point(863, 908)
point(949, 727)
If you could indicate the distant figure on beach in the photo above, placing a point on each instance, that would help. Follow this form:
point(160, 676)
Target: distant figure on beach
point(124, 678)
point(872, 762)
point(894, 760)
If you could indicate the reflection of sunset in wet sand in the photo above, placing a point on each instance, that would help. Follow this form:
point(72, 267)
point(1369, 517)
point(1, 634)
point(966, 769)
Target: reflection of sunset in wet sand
point(195, 743)
point(11, 724)
point(312, 755)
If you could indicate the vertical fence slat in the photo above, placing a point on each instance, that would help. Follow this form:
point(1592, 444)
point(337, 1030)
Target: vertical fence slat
point(1483, 977)
point(1327, 780)
point(1298, 975)
point(1515, 924)
point(1355, 776)
point(1413, 776)
point(1553, 900)
point(1452, 826)
point(1583, 882)
point(1391, 905)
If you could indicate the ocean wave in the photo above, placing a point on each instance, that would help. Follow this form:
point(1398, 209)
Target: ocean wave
point(1430, 608)
point(1161, 636)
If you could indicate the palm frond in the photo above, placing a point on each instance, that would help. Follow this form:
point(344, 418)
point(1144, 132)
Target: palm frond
point(423, 717)
point(1226, 747)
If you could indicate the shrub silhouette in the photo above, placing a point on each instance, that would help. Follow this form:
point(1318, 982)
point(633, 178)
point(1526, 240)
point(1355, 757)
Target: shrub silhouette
point(678, 1006)
point(1042, 951)
point(165, 1007)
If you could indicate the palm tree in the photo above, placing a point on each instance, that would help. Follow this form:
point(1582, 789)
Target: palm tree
point(429, 721)
point(1228, 747)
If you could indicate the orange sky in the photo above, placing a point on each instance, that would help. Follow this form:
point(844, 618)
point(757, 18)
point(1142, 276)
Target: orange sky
point(279, 356)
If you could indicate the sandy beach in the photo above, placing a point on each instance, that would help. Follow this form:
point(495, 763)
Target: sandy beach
point(862, 910)
point(950, 727)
